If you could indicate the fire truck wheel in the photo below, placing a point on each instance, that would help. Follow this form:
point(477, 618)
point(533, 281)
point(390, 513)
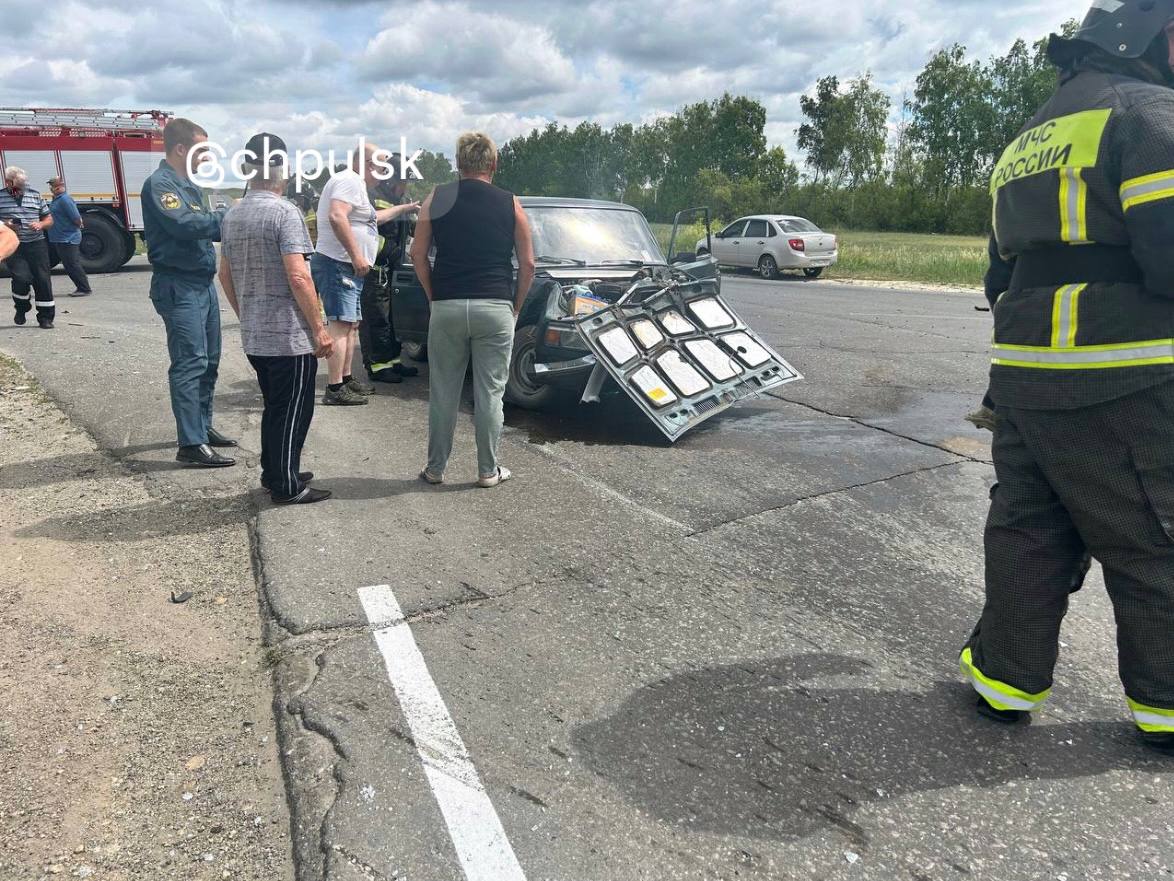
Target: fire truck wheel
point(103, 247)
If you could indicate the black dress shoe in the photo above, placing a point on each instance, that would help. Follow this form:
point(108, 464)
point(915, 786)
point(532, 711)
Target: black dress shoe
point(20, 317)
point(387, 374)
point(303, 477)
point(203, 456)
point(46, 323)
point(308, 496)
point(216, 439)
point(1006, 717)
point(1162, 741)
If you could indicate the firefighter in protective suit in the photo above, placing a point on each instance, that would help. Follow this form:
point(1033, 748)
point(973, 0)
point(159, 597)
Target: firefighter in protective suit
point(381, 348)
point(1083, 370)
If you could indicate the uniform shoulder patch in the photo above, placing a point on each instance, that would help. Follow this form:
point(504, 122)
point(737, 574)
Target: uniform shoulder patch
point(169, 201)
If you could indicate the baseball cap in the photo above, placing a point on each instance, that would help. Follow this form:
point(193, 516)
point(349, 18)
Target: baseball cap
point(268, 148)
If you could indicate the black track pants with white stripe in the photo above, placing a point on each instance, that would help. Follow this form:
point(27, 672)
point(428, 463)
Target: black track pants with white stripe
point(287, 384)
point(30, 274)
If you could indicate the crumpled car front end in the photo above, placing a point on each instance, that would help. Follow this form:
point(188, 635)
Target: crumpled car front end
point(669, 341)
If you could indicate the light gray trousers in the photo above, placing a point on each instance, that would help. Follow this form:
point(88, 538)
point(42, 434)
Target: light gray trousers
point(460, 330)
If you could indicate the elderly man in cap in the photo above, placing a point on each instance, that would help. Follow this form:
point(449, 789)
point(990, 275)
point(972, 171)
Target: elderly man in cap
point(66, 236)
point(265, 273)
point(24, 212)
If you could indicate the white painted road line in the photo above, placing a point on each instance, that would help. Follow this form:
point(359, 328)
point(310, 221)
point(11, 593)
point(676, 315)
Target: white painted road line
point(473, 824)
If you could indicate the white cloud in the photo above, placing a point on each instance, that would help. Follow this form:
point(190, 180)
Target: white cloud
point(320, 73)
point(486, 57)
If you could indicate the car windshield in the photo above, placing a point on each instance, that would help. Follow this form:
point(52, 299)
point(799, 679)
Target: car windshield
point(593, 235)
point(799, 225)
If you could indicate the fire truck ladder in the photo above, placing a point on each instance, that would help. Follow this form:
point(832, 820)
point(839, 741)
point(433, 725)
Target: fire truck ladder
point(91, 120)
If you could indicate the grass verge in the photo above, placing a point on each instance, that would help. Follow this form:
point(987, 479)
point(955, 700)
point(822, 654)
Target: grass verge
point(926, 259)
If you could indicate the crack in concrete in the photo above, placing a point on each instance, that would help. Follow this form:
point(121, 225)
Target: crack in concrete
point(363, 866)
point(294, 723)
point(312, 807)
point(858, 421)
point(331, 634)
point(826, 493)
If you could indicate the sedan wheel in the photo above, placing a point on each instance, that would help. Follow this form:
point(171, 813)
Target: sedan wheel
point(813, 272)
point(767, 267)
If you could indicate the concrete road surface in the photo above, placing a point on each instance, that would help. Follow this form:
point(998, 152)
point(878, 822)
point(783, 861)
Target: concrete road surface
point(732, 658)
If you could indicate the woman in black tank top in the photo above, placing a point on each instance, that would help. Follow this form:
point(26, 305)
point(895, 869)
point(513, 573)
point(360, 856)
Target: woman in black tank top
point(477, 228)
point(473, 228)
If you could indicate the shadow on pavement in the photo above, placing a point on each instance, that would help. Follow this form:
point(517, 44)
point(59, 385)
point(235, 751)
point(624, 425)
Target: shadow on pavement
point(365, 488)
point(154, 519)
point(133, 267)
point(80, 466)
point(752, 750)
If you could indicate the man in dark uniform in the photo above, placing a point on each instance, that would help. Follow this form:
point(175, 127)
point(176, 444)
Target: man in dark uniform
point(381, 348)
point(1083, 370)
point(180, 230)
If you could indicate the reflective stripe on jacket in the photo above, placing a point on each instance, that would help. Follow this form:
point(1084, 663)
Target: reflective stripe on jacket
point(1094, 167)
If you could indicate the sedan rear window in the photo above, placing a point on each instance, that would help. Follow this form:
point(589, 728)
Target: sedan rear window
point(799, 225)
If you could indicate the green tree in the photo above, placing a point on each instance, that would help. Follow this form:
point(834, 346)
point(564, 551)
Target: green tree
point(1021, 81)
point(846, 132)
point(868, 110)
point(436, 169)
point(824, 137)
point(777, 174)
point(954, 120)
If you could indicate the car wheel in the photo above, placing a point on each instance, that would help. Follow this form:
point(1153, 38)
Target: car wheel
point(521, 389)
point(416, 351)
point(767, 267)
point(813, 272)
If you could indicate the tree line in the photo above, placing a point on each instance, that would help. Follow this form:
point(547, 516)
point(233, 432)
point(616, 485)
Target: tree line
point(926, 172)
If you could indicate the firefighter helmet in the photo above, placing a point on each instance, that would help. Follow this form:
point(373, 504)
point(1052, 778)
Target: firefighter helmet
point(1122, 28)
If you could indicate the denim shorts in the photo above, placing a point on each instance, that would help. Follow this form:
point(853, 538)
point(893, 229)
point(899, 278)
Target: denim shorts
point(338, 288)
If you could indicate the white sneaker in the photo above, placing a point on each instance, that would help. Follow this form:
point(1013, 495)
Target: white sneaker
point(503, 474)
point(428, 477)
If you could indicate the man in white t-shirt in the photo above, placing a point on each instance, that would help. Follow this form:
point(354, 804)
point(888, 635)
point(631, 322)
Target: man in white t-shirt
point(348, 238)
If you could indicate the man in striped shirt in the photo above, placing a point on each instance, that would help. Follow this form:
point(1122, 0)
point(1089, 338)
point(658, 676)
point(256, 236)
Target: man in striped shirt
point(24, 212)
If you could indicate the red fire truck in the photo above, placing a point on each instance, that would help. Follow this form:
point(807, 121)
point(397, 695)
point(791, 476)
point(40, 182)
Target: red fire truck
point(104, 156)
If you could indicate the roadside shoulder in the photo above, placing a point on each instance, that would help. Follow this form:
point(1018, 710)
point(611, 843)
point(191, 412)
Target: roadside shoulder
point(144, 743)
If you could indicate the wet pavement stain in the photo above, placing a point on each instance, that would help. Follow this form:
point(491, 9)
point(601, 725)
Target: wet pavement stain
point(762, 749)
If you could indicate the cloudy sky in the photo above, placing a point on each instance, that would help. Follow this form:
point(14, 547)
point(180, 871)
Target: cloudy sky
point(320, 72)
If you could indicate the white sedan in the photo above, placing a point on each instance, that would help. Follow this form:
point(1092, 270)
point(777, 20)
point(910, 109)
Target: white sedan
point(770, 242)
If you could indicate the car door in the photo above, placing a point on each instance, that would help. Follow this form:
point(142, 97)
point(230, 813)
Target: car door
point(752, 244)
point(725, 243)
point(410, 309)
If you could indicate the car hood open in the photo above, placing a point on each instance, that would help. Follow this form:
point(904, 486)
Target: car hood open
point(681, 353)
